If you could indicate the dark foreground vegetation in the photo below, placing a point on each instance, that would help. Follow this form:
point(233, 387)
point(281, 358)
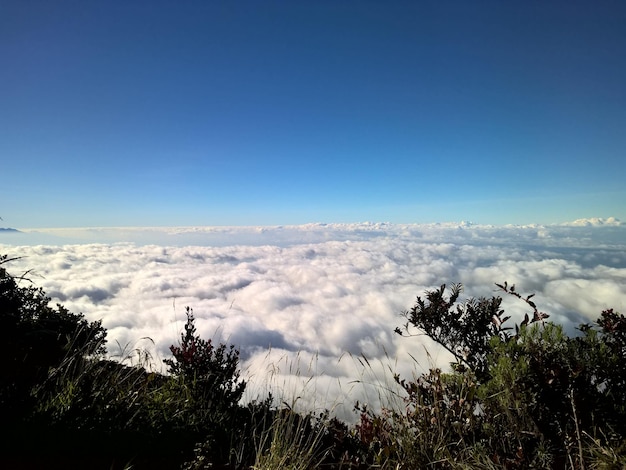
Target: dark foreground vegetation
point(526, 396)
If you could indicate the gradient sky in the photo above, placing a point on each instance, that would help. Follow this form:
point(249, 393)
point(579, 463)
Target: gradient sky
point(118, 113)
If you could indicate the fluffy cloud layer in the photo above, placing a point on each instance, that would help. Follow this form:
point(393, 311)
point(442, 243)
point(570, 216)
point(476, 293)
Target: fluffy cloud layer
point(305, 304)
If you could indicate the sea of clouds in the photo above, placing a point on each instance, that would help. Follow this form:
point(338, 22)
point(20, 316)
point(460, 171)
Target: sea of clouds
point(313, 308)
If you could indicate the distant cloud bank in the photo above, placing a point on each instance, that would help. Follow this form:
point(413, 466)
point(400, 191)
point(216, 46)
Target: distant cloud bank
point(596, 221)
point(308, 300)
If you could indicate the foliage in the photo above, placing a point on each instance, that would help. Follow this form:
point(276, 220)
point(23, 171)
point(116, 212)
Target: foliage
point(36, 338)
point(527, 396)
point(212, 371)
point(464, 330)
point(206, 380)
point(65, 399)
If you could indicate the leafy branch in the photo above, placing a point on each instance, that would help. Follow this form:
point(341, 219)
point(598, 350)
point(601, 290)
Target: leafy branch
point(537, 315)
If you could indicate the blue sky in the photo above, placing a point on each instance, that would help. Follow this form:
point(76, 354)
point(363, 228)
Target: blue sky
point(260, 113)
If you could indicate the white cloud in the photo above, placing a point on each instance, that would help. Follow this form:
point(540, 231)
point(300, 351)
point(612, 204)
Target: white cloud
point(324, 293)
point(594, 221)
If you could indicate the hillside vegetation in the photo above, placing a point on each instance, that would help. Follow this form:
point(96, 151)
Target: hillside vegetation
point(516, 396)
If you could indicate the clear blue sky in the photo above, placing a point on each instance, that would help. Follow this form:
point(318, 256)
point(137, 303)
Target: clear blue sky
point(117, 113)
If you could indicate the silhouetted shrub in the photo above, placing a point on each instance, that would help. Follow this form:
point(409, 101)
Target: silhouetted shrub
point(207, 384)
point(36, 338)
point(212, 372)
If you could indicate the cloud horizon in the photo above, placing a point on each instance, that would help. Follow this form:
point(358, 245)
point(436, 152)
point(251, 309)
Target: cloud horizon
point(316, 298)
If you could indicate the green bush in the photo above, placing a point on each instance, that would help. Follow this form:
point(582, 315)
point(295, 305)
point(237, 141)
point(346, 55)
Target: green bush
point(527, 396)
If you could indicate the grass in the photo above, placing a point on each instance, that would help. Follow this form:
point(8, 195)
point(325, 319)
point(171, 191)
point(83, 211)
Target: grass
point(293, 442)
